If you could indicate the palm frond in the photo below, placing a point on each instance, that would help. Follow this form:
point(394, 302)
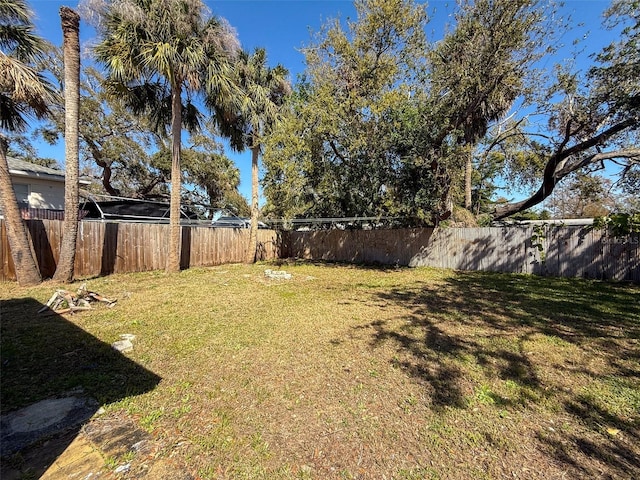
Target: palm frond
point(180, 46)
point(26, 93)
point(15, 11)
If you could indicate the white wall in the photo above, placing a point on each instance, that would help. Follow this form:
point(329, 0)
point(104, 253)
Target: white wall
point(43, 193)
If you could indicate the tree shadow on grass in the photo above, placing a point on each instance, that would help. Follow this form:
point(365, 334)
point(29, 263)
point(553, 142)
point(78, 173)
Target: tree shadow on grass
point(47, 357)
point(428, 360)
point(476, 329)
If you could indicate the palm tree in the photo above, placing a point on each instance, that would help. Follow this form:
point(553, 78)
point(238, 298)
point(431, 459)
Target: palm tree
point(178, 46)
point(265, 89)
point(478, 70)
point(71, 51)
point(23, 92)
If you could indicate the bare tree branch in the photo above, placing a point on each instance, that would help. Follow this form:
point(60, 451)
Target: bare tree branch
point(552, 174)
point(631, 155)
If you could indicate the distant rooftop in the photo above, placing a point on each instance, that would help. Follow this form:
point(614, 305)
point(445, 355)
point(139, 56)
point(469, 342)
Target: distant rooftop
point(24, 168)
point(33, 170)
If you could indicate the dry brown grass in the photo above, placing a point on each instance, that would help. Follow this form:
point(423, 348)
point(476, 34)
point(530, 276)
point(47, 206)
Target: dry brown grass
point(348, 372)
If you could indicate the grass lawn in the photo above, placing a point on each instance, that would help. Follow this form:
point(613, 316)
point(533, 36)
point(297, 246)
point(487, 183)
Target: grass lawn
point(349, 372)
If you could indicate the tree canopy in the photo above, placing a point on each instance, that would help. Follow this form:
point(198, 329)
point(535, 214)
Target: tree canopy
point(591, 120)
point(338, 151)
point(129, 157)
point(387, 124)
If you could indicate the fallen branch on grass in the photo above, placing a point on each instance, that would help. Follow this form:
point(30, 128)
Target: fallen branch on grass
point(63, 301)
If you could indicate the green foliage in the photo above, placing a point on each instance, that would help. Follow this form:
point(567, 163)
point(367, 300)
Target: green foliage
point(592, 118)
point(344, 148)
point(477, 71)
point(211, 180)
point(530, 215)
point(264, 92)
point(132, 159)
point(486, 168)
point(619, 224)
point(168, 50)
point(616, 75)
point(517, 160)
point(383, 123)
point(115, 145)
point(538, 238)
point(24, 91)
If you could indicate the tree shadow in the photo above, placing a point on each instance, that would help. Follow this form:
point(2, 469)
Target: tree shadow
point(42, 247)
point(358, 246)
point(185, 251)
point(109, 249)
point(616, 449)
point(481, 327)
point(551, 250)
point(46, 357)
point(428, 359)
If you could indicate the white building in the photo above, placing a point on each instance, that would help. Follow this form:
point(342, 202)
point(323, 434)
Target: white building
point(39, 190)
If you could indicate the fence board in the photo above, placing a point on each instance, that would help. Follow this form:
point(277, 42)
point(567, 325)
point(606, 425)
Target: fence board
point(5, 257)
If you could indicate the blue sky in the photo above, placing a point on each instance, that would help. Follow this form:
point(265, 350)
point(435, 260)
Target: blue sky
point(283, 27)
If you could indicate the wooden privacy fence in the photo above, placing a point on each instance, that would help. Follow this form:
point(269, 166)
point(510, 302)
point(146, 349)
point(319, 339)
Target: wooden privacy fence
point(105, 248)
point(565, 251)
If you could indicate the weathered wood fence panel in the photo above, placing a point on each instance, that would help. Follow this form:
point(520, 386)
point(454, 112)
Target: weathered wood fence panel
point(105, 248)
point(388, 247)
point(567, 251)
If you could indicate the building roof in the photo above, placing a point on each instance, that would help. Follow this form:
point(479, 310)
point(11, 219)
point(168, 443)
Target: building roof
point(23, 168)
point(28, 169)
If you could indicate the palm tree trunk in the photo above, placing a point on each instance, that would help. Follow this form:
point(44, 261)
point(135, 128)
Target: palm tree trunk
point(468, 170)
point(27, 271)
point(174, 208)
point(253, 230)
point(71, 51)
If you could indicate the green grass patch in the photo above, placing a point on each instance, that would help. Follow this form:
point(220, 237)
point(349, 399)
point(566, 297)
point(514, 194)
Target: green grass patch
point(349, 372)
